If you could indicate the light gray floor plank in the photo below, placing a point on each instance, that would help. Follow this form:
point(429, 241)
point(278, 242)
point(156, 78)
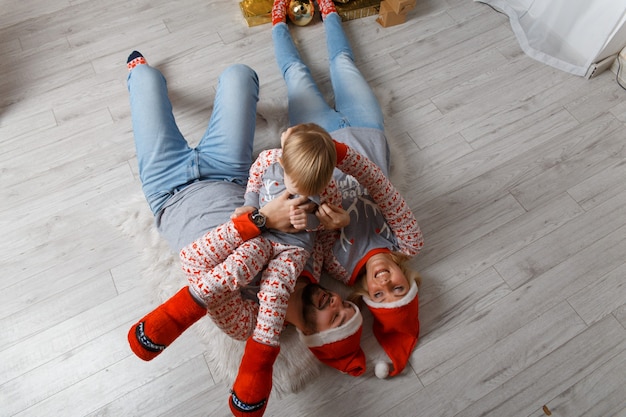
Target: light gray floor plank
point(182, 383)
point(515, 171)
point(541, 383)
point(610, 289)
point(564, 243)
point(501, 244)
point(492, 366)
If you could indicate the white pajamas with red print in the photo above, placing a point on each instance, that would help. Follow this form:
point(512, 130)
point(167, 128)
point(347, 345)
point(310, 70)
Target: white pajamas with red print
point(290, 251)
point(217, 266)
point(220, 263)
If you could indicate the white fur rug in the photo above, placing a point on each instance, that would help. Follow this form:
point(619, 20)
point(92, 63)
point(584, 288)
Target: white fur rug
point(295, 365)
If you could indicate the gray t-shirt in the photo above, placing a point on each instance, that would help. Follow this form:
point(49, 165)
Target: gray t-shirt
point(368, 229)
point(196, 209)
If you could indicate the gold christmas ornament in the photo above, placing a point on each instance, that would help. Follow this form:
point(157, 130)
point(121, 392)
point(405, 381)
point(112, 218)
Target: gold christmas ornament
point(301, 12)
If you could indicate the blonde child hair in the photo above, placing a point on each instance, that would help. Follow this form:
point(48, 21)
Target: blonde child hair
point(309, 157)
point(360, 285)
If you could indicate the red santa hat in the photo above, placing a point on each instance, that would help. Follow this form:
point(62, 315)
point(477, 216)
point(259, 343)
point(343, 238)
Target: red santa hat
point(396, 327)
point(340, 347)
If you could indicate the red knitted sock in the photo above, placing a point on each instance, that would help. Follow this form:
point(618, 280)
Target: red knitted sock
point(253, 384)
point(279, 11)
point(326, 7)
point(134, 59)
point(158, 329)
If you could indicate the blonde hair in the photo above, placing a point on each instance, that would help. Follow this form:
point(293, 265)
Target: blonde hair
point(360, 285)
point(309, 157)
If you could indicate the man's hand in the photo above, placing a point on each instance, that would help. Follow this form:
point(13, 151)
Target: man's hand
point(277, 212)
point(332, 217)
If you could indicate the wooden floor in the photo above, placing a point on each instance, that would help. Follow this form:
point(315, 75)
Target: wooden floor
point(516, 172)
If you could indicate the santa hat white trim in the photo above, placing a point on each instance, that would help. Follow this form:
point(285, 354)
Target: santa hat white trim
point(338, 333)
point(408, 297)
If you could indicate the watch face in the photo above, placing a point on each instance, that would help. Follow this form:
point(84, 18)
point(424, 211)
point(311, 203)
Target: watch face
point(258, 219)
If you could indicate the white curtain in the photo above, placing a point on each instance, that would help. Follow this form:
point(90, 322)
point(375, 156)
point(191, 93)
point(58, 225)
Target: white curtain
point(570, 35)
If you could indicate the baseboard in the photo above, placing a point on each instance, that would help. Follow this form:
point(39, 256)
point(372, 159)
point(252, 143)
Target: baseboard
point(598, 68)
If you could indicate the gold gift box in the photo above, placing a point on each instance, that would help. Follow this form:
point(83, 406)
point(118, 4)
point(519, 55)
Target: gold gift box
point(256, 12)
point(356, 9)
point(259, 12)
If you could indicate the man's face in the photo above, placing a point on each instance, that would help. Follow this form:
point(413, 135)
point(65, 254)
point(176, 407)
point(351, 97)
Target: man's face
point(324, 309)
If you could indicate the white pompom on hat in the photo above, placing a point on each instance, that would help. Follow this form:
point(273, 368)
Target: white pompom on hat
point(340, 347)
point(396, 327)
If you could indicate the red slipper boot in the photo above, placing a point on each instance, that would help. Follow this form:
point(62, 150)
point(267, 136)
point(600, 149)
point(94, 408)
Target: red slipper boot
point(253, 384)
point(153, 333)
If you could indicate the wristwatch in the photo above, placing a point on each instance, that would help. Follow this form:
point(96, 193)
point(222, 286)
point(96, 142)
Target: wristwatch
point(258, 219)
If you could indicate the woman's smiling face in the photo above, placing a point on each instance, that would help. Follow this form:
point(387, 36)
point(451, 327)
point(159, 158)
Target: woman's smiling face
point(385, 279)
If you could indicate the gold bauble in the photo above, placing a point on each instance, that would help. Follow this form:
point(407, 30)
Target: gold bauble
point(301, 12)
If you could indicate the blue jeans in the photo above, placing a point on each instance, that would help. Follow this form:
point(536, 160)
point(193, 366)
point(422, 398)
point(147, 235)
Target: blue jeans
point(166, 162)
point(355, 102)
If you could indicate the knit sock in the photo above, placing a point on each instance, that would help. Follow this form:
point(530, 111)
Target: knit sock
point(253, 384)
point(157, 330)
point(134, 59)
point(279, 11)
point(326, 7)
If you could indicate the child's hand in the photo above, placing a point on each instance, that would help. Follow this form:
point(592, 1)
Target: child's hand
point(332, 217)
point(298, 217)
point(241, 210)
point(276, 212)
